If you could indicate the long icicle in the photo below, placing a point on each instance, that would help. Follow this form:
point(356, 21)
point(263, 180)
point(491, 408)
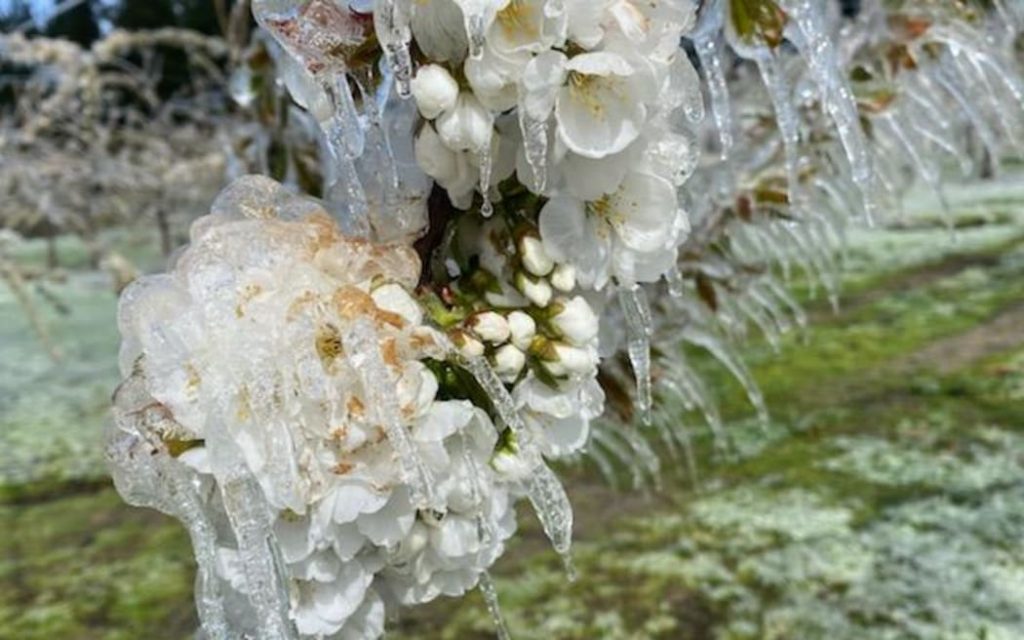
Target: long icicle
point(490, 595)
point(544, 490)
point(362, 349)
point(639, 327)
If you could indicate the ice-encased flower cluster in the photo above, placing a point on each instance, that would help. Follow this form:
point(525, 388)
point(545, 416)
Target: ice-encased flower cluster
point(280, 356)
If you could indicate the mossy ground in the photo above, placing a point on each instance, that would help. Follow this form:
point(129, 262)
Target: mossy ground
point(885, 500)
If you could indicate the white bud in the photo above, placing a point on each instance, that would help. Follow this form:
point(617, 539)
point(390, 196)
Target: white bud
point(535, 257)
point(489, 326)
point(564, 278)
point(434, 158)
point(523, 328)
point(576, 321)
point(468, 346)
point(510, 465)
point(537, 292)
point(508, 362)
point(572, 360)
point(434, 90)
point(394, 298)
point(468, 126)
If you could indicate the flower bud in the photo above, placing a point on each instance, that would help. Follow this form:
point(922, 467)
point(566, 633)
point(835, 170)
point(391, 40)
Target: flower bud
point(489, 326)
point(522, 329)
point(510, 465)
point(564, 278)
point(537, 291)
point(468, 346)
point(572, 360)
point(468, 126)
point(435, 90)
point(434, 158)
point(508, 362)
point(535, 258)
point(576, 321)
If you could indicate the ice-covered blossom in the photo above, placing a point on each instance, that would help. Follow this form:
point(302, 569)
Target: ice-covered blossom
point(262, 354)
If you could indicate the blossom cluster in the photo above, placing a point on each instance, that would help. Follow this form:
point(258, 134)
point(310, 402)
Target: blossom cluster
point(575, 99)
point(386, 406)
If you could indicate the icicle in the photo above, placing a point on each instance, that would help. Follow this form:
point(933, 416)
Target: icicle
point(730, 361)
point(674, 278)
point(644, 454)
point(250, 520)
point(1002, 114)
point(711, 53)
point(549, 500)
point(535, 145)
point(818, 50)
point(362, 348)
point(786, 114)
point(477, 493)
point(959, 39)
point(345, 139)
point(490, 595)
point(639, 326)
point(604, 465)
point(608, 440)
point(486, 161)
point(929, 173)
point(474, 14)
point(544, 490)
point(373, 106)
point(391, 20)
point(764, 324)
point(160, 482)
point(978, 121)
point(794, 307)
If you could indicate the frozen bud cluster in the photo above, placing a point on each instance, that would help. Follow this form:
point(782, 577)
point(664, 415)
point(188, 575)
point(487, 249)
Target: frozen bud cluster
point(281, 356)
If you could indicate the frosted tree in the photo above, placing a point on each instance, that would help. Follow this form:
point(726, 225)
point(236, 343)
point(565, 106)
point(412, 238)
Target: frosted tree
point(524, 215)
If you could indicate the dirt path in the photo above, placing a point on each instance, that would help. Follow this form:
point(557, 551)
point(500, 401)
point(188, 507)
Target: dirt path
point(1004, 332)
